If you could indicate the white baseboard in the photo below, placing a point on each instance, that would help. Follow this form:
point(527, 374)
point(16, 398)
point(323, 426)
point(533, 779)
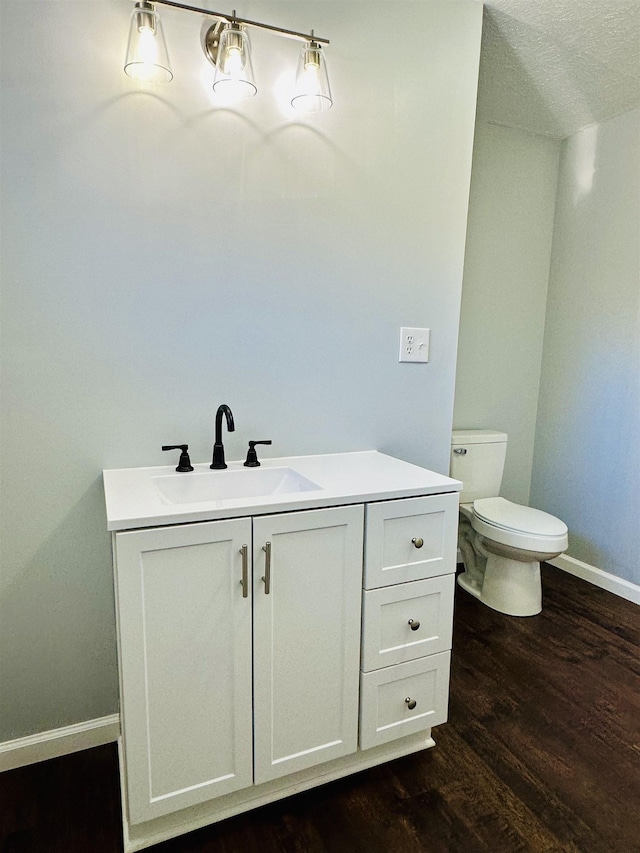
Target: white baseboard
point(56, 742)
point(605, 580)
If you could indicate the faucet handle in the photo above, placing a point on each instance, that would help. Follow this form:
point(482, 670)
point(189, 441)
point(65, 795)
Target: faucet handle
point(252, 457)
point(185, 463)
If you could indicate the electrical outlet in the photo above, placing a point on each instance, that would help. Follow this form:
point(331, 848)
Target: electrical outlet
point(414, 344)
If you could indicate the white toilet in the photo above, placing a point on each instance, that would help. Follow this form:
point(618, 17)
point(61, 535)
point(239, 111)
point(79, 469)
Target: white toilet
point(502, 543)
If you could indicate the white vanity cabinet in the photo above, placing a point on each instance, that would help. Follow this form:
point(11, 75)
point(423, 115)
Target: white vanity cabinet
point(198, 615)
point(269, 643)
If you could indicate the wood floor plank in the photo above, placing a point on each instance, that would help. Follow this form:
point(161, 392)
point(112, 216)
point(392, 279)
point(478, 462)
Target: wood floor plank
point(572, 722)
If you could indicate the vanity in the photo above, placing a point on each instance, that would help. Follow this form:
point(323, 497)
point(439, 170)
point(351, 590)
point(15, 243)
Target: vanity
point(278, 627)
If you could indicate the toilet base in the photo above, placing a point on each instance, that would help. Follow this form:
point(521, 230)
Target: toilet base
point(509, 586)
point(468, 584)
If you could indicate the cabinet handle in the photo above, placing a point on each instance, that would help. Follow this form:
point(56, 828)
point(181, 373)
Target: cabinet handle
point(418, 542)
point(411, 703)
point(414, 623)
point(267, 568)
point(245, 572)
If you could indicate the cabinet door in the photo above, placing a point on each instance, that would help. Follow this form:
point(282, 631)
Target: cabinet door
point(185, 662)
point(306, 638)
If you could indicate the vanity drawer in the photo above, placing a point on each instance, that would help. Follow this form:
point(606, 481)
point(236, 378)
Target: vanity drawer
point(410, 539)
point(406, 621)
point(385, 713)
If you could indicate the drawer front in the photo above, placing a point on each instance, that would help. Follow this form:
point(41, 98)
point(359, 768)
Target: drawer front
point(407, 621)
point(385, 713)
point(412, 539)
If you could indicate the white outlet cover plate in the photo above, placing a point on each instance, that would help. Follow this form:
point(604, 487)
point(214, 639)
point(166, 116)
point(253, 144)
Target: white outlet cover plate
point(414, 344)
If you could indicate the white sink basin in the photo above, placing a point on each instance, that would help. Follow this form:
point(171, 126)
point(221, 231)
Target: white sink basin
point(228, 484)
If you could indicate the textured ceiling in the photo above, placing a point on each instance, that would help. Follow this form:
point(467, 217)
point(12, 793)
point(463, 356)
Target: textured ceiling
point(555, 66)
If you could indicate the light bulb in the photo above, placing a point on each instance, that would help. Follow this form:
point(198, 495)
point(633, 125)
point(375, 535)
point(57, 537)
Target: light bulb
point(312, 58)
point(147, 51)
point(233, 63)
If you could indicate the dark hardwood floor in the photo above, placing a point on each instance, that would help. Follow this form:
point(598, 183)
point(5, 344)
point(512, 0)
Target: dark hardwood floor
point(541, 753)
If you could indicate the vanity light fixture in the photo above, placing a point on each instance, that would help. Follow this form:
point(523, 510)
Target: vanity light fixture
point(230, 52)
point(226, 45)
point(312, 93)
point(147, 57)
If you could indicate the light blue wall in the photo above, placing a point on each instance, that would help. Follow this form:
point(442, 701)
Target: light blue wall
point(587, 450)
point(504, 292)
point(160, 257)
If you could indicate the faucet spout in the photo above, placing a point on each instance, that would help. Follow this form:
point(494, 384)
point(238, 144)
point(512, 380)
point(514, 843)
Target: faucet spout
point(218, 448)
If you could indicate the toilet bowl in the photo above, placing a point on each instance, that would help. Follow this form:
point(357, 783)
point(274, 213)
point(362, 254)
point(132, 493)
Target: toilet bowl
point(502, 543)
point(508, 543)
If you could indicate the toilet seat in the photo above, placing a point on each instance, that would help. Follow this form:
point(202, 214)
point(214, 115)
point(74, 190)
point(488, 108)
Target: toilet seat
point(523, 519)
point(519, 526)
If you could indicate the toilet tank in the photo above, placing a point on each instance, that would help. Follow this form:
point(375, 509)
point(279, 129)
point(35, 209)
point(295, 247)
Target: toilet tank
point(477, 458)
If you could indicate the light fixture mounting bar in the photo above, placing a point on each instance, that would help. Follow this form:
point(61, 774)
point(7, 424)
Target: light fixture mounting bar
point(229, 18)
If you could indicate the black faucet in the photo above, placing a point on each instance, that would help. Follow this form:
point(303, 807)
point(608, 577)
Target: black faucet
point(218, 448)
point(185, 463)
point(252, 456)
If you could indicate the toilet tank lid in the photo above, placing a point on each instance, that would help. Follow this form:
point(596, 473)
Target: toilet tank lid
point(477, 436)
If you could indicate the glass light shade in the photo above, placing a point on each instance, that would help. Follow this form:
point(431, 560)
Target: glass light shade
point(147, 57)
point(234, 80)
point(312, 92)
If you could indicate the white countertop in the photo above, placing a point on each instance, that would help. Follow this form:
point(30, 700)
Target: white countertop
point(132, 499)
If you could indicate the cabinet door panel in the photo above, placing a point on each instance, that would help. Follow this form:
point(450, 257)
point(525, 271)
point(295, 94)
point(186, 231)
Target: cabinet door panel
point(389, 613)
point(404, 699)
point(306, 639)
point(185, 650)
point(410, 539)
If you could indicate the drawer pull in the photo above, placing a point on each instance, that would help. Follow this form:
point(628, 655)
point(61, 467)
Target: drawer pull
point(414, 623)
point(267, 568)
point(245, 572)
point(418, 542)
point(411, 703)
